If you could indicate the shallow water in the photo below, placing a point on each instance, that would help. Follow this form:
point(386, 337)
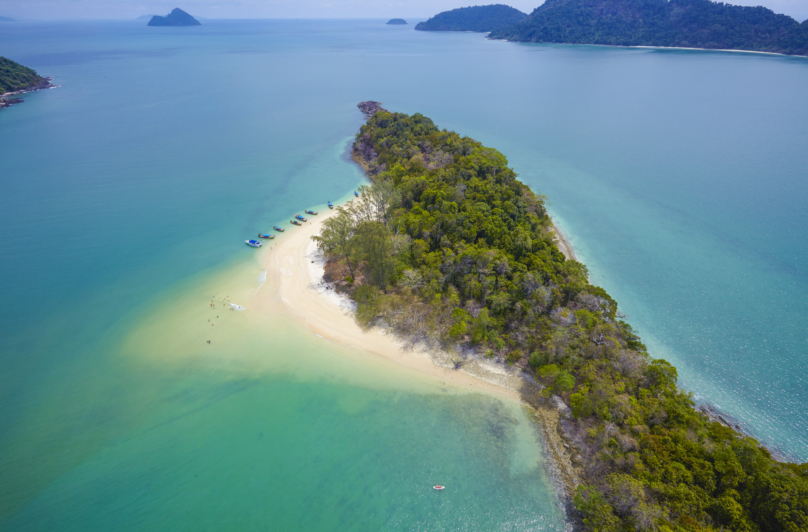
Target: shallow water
point(127, 193)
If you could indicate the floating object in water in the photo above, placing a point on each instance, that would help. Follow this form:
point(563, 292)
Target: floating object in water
point(438, 487)
point(296, 222)
point(278, 229)
point(253, 243)
point(262, 235)
point(356, 193)
point(310, 212)
point(330, 205)
point(298, 217)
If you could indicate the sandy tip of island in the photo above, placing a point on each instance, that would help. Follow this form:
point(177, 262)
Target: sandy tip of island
point(295, 269)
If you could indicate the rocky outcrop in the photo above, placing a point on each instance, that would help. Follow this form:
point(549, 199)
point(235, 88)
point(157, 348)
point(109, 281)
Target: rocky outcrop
point(177, 17)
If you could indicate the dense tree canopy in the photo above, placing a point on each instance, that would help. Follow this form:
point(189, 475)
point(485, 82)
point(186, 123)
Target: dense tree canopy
point(15, 77)
point(679, 23)
point(448, 246)
point(475, 18)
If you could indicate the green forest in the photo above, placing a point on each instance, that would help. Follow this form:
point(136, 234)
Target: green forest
point(449, 248)
point(15, 77)
point(475, 18)
point(677, 23)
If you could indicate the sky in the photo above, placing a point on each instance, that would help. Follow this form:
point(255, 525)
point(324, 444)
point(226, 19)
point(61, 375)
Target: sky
point(129, 9)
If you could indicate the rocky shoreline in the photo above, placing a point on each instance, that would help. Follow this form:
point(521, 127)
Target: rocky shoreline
point(44, 83)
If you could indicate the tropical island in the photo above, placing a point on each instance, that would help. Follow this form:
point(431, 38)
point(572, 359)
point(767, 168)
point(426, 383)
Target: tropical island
point(448, 248)
point(177, 17)
point(665, 23)
point(397, 21)
point(476, 18)
point(18, 79)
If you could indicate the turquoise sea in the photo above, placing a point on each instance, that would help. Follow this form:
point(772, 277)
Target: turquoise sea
point(126, 194)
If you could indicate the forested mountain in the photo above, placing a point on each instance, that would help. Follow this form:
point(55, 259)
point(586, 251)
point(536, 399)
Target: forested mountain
point(15, 77)
point(679, 23)
point(476, 18)
point(448, 246)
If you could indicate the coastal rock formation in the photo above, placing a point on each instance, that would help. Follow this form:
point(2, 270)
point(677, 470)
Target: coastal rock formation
point(17, 79)
point(476, 18)
point(370, 108)
point(177, 17)
point(674, 23)
point(395, 21)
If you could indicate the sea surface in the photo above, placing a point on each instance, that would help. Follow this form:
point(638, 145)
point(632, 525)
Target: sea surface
point(680, 178)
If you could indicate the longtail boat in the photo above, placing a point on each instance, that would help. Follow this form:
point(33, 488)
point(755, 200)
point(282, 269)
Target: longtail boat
point(296, 222)
point(262, 235)
point(278, 229)
point(300, 218)
point(311, 212)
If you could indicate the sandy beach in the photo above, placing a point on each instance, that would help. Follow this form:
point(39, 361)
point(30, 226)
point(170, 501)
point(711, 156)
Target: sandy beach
point(295, 267)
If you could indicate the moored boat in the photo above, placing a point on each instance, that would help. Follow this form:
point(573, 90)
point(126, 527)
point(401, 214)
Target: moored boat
point(438, 487)
point(313, 213)
point(296, 222)
point(278, 229)
point(356, 193)
point(330, 205)
point(253, 243)
point(300, 218)
point(262, 235)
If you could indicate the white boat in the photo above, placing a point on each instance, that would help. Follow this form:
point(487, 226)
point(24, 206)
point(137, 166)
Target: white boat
point(253, 243)
point(438, 487)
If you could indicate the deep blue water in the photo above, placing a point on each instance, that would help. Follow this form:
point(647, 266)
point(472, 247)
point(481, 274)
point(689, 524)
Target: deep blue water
point(680, 177)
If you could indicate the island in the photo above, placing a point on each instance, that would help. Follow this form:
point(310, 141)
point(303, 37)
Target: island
point(396, 21)
point(447, 248)
point(476, 18)
point(146, 17)
point(675, 23)
point(177, 17)
point(7, 19)
point(18, 79)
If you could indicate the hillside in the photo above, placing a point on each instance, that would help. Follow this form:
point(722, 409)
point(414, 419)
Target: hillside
point(397, 21)
point(177, 17)
point(675, 23)
point(476, 18)
point(15, 77)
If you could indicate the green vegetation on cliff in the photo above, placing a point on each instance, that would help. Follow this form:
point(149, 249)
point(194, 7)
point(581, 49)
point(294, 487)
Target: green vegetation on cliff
point(15, 77)
point(476, 18)
point(677, 23)
point(448, 246)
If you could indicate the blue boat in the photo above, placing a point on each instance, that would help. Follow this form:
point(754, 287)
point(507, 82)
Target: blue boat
point(311, 212)
point(262, 235)
point(253, 243)
point(296, 222)
point(300, 218)
point(278, 229)
point(330, 205)
point(356, 193)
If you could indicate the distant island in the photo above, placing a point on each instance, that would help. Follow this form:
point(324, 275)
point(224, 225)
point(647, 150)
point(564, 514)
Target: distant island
point(476, 18)
point(18, 79)
point(396, 21)
point(146, 17)
point(177, 17)
point(7, 19)
point(671, 23)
